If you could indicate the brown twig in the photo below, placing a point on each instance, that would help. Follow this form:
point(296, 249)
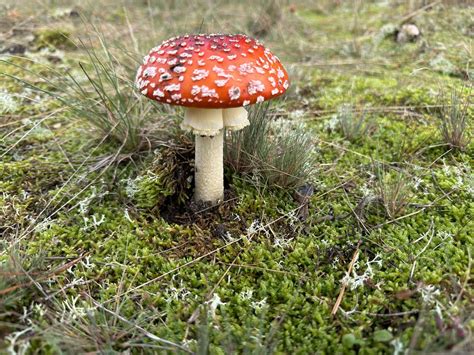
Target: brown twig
point(344, 284)
point(419, 11)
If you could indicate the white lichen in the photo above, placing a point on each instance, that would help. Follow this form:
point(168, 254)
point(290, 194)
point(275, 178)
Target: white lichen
point(8, 103)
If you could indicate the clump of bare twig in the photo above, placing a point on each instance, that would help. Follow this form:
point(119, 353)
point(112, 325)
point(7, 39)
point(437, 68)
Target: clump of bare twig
point(455, 119)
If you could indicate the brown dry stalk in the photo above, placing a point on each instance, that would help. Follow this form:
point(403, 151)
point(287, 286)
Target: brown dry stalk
point(344, 284)
point(418, 11)
point(54, 272)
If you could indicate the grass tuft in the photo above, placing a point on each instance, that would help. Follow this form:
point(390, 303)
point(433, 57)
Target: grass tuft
point(393, 190)
point(278, 155)
point(354, 126)
point(455, 119)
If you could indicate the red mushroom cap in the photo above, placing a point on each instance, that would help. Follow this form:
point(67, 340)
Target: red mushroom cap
point(211, 71)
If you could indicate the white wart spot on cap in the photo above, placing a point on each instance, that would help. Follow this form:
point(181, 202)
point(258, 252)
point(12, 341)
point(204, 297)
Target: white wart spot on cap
point(255, 86)
point(165, 76)
point(206, 92)
point(216, 57)
point(195, 90)
point(179, 69)
point(149, 72)
point(200, 74)
point(246, 68)
point(220, 83)
point(234, 93)
point(173, 87)
point(158, 93)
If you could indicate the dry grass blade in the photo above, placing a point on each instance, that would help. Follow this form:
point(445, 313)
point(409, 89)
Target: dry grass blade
point(344, 284)
point(43, 277)
point(145, 332)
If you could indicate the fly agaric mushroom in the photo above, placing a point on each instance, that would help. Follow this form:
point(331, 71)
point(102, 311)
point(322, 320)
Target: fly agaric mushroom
point(214, 76)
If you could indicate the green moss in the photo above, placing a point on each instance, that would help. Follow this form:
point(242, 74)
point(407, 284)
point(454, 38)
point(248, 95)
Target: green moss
point(52, 38)
point(151, 188)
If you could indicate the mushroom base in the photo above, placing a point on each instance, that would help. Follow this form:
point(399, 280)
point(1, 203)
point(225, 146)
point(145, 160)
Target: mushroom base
point(209, 168)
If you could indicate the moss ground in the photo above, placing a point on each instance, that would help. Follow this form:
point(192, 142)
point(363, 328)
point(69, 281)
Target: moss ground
point(93, 260)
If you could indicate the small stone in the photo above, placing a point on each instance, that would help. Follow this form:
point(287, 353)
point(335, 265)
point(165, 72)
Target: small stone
point(408, 33)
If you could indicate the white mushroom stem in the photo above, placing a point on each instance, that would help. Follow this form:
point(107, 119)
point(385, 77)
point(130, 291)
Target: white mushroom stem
point(208, 126)
point(209, 173)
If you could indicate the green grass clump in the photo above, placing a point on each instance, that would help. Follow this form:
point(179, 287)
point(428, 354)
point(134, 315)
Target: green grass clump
point(455, 119)
point(101, 91)
point(353, 126)
point(393, 189)
point(275, 155)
